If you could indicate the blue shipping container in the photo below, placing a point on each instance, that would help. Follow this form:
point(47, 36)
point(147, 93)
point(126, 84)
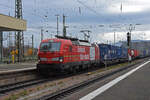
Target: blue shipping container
point(110, 52)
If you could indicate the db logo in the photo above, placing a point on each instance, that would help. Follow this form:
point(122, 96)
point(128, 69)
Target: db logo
point(132, 52)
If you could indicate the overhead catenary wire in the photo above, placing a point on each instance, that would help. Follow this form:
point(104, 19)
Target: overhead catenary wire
point(33, 14)
point(78, 9)
point(88, 7)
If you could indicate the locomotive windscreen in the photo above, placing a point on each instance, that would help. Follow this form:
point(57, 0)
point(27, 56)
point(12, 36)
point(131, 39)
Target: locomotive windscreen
point(50, 46)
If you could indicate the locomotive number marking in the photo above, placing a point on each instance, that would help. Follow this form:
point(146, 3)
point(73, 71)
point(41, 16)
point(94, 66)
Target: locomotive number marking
point(83, 57)
point(81, 49)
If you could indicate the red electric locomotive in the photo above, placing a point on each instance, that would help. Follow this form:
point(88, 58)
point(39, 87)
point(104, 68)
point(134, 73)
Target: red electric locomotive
point(133, 53)
point(66, 55)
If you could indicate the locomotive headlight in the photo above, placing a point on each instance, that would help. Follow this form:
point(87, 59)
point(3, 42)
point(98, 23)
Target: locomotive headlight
point(61, 60)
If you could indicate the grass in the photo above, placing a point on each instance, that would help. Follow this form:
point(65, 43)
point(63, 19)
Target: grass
point(12, 97)
point(23, 93)
point(61, 82)
point(110, 67)
point(16, 96)
point(38, 88)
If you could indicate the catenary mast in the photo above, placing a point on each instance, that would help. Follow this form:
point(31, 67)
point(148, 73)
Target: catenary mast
point(19, 34)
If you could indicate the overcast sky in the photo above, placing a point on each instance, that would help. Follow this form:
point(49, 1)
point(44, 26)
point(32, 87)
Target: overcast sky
point(102, 17)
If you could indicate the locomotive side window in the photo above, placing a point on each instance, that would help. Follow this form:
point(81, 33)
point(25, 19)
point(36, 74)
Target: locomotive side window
point(50, 46)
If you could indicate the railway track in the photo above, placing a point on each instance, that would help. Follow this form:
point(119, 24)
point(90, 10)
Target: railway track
point(16, 80)
point(38, 80)
point(65, 92)
point(57, 95)
point(14, 77)
point(11, 87)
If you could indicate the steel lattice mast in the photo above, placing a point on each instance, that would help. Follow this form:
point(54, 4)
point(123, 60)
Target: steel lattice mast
point(19, 34)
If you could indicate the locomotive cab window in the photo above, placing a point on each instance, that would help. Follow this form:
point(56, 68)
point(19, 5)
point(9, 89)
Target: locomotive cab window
point(50, 46)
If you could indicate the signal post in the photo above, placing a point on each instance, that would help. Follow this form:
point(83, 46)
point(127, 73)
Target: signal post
point(1, 46)
point(129, 45)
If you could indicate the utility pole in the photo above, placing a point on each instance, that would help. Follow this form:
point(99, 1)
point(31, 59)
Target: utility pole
point(114, 38)
point(64, 27)
point(22, 44)
point(32, 42)
point(9, 40)
point(57, 24)
point(32, 45)
point(1, 46)
point(19, 34)
point(42, 34)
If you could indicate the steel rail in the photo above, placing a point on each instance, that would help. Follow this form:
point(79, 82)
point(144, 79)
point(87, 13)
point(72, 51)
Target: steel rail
point(65, 92)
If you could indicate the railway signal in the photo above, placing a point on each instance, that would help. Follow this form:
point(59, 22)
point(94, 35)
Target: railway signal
point(128, 39)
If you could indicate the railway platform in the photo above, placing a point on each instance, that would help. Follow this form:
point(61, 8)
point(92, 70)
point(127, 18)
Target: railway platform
point(5, 68)
point(130, 84)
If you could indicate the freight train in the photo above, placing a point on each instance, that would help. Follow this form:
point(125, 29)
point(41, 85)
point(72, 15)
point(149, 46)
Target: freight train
point(72, 54)
point(113, 54)
point(66, 55)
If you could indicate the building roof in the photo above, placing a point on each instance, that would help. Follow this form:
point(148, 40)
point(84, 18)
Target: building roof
point(8, 23)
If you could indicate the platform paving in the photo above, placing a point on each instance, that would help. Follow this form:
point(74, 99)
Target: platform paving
point(17, 66)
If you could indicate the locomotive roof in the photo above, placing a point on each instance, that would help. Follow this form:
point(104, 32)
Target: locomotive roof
point(84, 43)
point(54, 40)
point(74, 41)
